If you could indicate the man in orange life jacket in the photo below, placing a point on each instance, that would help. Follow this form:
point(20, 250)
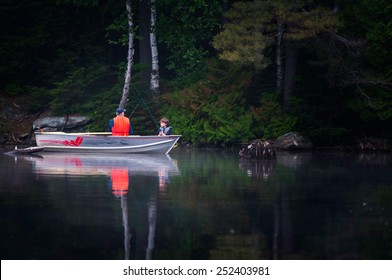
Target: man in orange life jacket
point(120, 125)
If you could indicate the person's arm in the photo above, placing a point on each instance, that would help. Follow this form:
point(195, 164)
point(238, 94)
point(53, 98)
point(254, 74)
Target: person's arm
point(111, 123)
point(130, 128)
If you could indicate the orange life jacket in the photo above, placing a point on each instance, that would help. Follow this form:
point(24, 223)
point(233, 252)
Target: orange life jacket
point(121, 126)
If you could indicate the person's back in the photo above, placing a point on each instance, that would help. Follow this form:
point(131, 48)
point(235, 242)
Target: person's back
point(120, 125)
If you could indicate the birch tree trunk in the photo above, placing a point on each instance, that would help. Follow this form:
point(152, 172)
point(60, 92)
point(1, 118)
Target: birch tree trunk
point(128, 73)
point(144, 51)
point(154, 81)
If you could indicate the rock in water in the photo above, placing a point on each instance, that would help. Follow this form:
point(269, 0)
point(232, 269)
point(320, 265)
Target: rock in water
point(292, 141)
point(57, 123)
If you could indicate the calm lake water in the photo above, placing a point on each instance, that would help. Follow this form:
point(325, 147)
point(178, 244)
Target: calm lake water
point(196, 205)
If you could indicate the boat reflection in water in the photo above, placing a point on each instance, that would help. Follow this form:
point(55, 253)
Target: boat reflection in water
point(118, 169)
point(101, 164)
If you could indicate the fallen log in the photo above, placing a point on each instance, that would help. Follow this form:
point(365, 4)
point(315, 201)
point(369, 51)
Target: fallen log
point(258, 149)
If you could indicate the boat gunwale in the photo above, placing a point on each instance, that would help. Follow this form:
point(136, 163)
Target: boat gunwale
point(103, 134)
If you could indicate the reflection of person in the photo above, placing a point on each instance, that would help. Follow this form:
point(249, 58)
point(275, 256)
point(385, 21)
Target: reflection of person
point(120, 125)
point(165, 129)
point(163, 179)
point(120, 181)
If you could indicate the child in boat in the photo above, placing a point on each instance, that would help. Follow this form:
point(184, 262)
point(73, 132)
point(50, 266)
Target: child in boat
point(165, 129)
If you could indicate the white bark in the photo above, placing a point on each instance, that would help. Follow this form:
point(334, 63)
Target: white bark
point(152, 221)
point(127, 236)
point(128, 73)
point(154, 81)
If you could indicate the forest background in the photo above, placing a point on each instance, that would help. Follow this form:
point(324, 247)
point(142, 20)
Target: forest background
point(229, 71)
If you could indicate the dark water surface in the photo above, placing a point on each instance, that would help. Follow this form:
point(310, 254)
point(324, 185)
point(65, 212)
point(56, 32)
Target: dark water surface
point(195, 205)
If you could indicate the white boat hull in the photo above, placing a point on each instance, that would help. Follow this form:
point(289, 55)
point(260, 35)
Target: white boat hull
point(104, 143)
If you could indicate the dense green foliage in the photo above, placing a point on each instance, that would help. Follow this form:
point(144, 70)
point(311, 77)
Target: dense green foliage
point(213, 110)
point(185, 28)
point(68, 57)
point(269, 119)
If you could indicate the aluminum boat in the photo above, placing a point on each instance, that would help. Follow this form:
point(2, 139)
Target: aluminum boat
point(104, 142)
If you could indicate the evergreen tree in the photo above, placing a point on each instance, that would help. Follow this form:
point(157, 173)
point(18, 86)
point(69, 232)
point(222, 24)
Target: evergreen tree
point(255, 26)
point(362, 58)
